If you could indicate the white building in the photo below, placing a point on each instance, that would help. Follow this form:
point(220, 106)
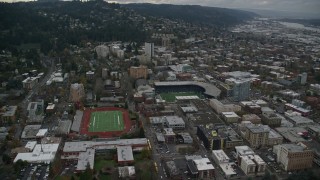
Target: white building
point(247, 165)
point(42, 153)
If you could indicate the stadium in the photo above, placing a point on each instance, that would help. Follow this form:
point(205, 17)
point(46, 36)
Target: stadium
point(186, 88)
point(105, 122)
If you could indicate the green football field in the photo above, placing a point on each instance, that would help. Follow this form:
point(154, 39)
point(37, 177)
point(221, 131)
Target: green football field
point(171, 97)
point(103, 121)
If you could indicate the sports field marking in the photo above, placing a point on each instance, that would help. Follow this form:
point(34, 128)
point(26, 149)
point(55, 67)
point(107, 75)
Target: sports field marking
point(106, 121)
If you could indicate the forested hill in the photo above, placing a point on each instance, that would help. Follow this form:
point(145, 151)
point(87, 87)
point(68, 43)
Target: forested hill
point(194, 13)
point(55, 25)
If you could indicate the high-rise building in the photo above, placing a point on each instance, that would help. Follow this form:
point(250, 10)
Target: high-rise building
point(240, 88)
point(76, 92)
point(149, 49)
point(303, 78)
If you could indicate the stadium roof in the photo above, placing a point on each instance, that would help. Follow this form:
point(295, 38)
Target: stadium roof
point(210, 89)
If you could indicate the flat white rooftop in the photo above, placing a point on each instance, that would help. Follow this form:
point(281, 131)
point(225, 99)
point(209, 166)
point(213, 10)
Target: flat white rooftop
point(124, 153)
point(203, 164)
point(42, 153)
point(84, 145)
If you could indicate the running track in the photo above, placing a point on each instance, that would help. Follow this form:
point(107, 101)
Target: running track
point(84, 129)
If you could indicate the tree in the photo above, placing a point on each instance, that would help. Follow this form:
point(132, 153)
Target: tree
point(19, 165)
point(145, 153)
point(6, 158)
point(141, 133)
point(87, 174)
point(126, 105)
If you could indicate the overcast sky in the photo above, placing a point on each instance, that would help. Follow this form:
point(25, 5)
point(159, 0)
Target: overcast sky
point(306, 6)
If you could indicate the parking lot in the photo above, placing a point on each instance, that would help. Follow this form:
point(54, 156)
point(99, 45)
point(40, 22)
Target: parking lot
point(34, 171)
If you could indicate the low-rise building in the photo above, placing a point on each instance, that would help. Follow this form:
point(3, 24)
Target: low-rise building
point(294, 156)
point(220, 158)
point(230, 117)
point(201, 168)
point(253, 118)
point(298, 120)
point(185, 137)
point(40, 153)
point(8, 115)
point(247, 165)
point(257, 135)
point(172, 169)
point(35, 111)
point(169, 135)
point(125, 155)
point(271, 119)
point(127, 172)
point(219, 107)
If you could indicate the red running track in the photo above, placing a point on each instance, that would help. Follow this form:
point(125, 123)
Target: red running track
point(84, 128)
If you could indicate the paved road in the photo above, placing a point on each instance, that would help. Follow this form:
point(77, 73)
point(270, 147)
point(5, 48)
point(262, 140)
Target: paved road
point(37, 87)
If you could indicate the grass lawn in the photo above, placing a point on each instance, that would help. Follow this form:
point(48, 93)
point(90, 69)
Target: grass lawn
point(171, 97)
point(103, 121)
point(105, 177)
point(99, 164)
point(144, 169)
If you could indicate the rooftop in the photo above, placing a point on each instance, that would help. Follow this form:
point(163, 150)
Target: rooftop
point(8, 110)
point(41, 153)
point(78, 146)
point(84, 159)
point(210, 89)
point(124, 153)
point(248, 160)
point(30, 131)
point(244, 150)
point(293, 147)
point(221, 156)
point(258, 128)
point(293, 134)
point(174, 120)
point(77, 121)
point(203, 164)
point(230, 114)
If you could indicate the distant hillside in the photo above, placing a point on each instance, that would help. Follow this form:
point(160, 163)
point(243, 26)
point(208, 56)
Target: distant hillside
point(194, 13)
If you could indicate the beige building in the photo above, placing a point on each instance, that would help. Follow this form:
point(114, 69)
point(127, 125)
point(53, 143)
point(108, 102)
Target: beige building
point(294, 156)
point(219, 107)
point(252, 118)
point(230, 117)
point(138, 72)
point(257, 135)
point(76, 92)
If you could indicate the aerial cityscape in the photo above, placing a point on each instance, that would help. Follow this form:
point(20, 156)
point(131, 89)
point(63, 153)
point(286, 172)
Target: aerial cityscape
point(106, 91)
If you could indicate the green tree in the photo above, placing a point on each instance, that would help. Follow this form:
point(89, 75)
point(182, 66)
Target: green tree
point(141, 133)
point(6, 158)
point(87, 174)
point(145, 153)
